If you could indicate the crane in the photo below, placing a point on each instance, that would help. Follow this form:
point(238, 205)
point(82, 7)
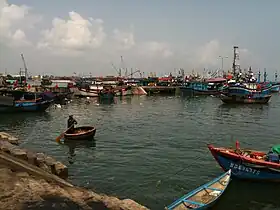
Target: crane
point(137, 71)
point(25, 68)
point(119, 71)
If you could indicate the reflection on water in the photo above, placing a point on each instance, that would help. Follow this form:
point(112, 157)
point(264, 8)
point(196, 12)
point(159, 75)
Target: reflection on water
point(82, 144)
point(144, 139)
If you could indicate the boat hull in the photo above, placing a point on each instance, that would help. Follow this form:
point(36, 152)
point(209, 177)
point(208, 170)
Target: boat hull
point(87, 134)
point(26, 107)
point(192, 91)
point(138, 91)
point(204, 196)
point(244, 169)
point(275, 88)
point(244, 100)
point(87, 93)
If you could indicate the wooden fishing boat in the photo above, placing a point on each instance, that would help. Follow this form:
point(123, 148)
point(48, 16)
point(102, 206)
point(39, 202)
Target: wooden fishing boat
point(246, 99)
point(80, 133)
point(203, 197)
point(248, 164)
point(21, 101)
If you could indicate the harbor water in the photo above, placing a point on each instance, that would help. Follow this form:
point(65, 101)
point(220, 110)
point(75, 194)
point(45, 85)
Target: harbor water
point(153, 149)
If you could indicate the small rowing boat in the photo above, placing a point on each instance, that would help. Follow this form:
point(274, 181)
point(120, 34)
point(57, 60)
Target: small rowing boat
point(203, 197)
point(80, 133)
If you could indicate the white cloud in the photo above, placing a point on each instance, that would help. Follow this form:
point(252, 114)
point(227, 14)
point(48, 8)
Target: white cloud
point(208, 54)
point(85, 39)
point(12, 17)
point(153, 48)
point(124, 39)
point(74, 35)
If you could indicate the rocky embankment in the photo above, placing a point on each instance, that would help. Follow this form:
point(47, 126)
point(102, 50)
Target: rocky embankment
point(36, 181)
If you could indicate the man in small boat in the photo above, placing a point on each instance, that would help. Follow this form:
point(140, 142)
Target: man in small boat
point(71, 122)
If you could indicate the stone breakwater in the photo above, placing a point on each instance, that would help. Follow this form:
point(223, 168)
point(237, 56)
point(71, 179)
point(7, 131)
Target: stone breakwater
point(37, 181)
point(9, 145)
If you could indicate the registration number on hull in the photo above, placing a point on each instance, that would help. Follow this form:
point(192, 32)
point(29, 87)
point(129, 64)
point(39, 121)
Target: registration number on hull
point(244, 169)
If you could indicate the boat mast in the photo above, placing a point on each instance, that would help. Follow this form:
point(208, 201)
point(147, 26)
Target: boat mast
point(264, 75)
point(235, 65)
point(259, 76)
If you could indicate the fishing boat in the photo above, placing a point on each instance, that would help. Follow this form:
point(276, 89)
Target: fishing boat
point(213, 86)
point(203, 197)
point(88, 88)
point(21, 101)
point(246, 93)
point(82, 92)
point(249, 164)
point(80, 133)
point(245, 100)
point(244, 88)
point(275, 87)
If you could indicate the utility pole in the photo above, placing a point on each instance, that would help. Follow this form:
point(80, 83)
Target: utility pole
point(222, 59)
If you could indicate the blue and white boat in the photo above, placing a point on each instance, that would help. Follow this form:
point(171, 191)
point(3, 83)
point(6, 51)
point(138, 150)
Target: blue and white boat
point(21, 101)
point(213, 86)
point(203, 197)
point(275, 87)
point(246, 93)
point(244, 88)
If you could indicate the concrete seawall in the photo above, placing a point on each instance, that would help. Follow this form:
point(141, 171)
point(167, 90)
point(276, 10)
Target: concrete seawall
point(31, 180)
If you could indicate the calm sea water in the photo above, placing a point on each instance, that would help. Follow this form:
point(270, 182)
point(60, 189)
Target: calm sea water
point(142, 142)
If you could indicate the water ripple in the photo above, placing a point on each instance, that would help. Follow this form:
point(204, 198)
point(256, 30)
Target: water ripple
point(142, 140)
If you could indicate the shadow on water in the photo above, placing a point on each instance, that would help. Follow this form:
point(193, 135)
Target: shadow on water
point(72, 145)
point(245, 193)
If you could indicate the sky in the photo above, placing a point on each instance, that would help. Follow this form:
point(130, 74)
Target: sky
point(87, 37)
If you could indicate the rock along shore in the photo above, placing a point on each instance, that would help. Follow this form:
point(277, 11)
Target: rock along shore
point(31, 180)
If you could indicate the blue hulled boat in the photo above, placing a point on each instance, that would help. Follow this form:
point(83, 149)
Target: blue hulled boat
point(275, 87)
point(246, 93)
point(203, 197)
point(249, 164)
point(21, 101)
point(213, 86)
point(245, 89)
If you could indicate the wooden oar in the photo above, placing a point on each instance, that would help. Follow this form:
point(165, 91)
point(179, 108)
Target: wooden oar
point(62, 134)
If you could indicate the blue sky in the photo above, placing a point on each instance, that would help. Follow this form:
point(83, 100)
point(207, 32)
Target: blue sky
point(156, 35)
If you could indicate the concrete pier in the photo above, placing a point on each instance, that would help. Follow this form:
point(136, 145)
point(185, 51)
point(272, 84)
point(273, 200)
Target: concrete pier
point(31, 180)
point(47, 163)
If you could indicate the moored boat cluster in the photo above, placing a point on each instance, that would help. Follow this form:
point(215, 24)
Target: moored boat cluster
point(235, 86)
